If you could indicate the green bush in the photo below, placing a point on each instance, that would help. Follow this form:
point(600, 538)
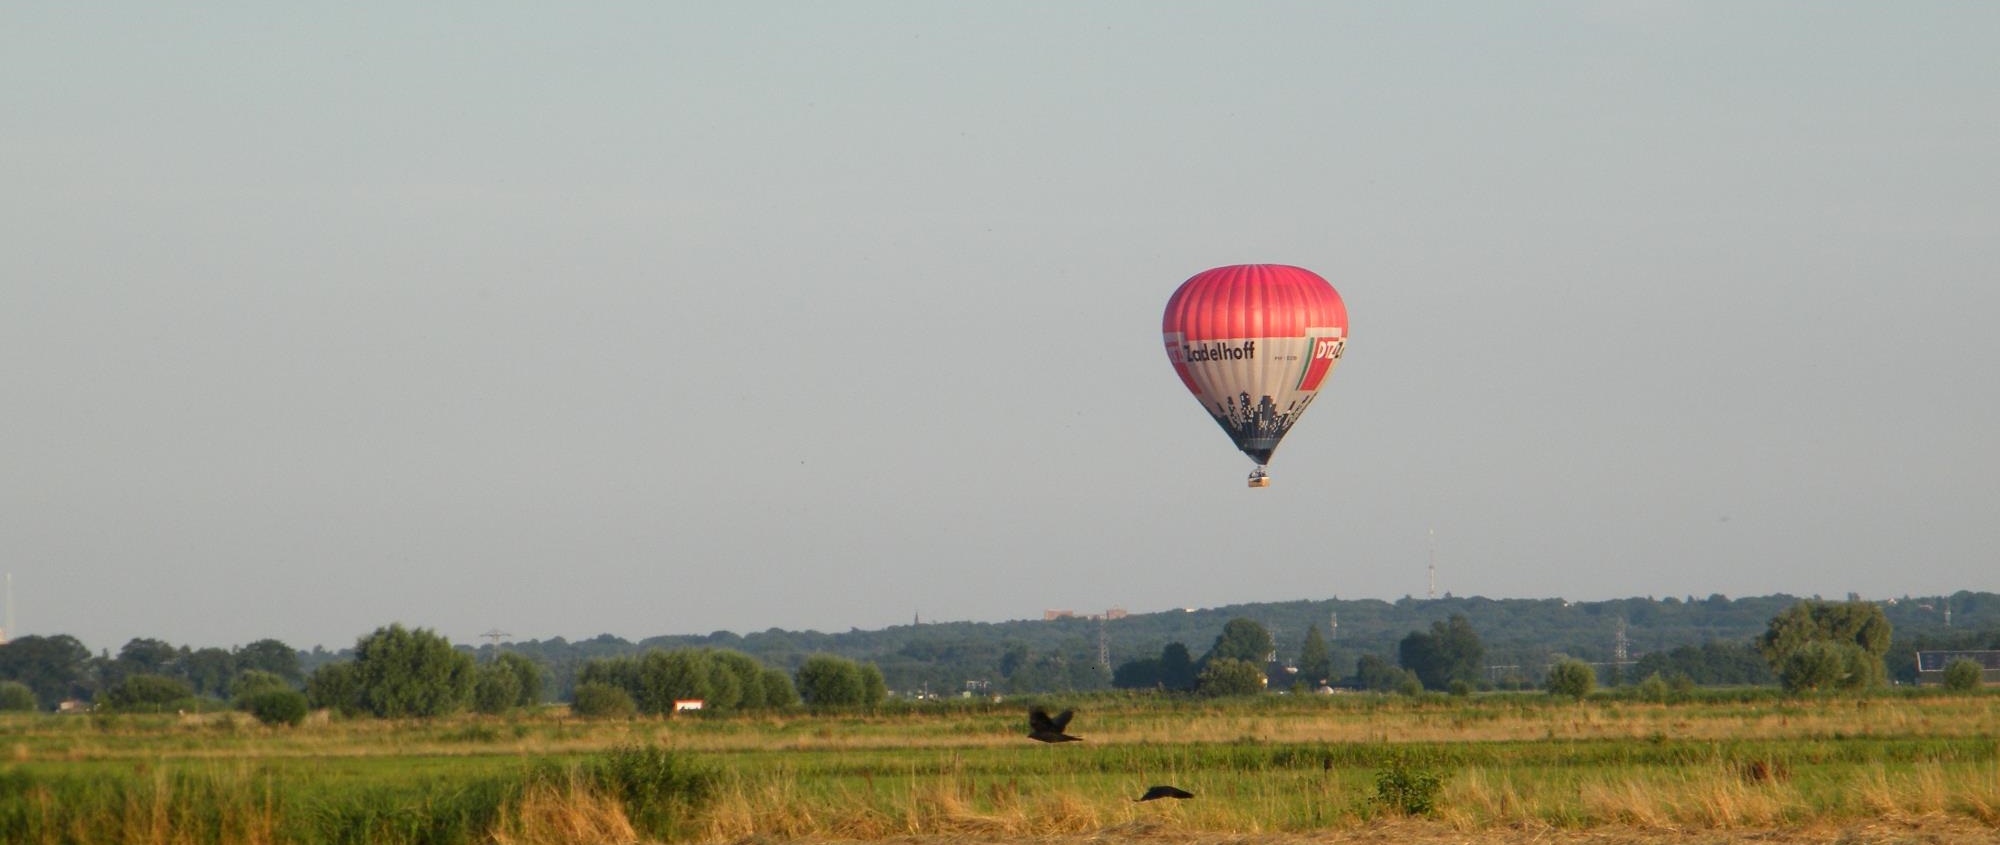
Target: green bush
point(601, 700)
point(285, 706)
point(1963, 675)
point(1406, 789)
point(1571, 678)
point(17, 696)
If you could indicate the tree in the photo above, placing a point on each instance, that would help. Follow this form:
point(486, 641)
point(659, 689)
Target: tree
point(1962, 675)
point(874, 688)
point(1241, 639)
point(1815, 666)
point(252, 681)
point(1143, 673)
point(1176, 667)
point(778, 689)
point(1572, 678)
point(826, 680)
point(412, 673)
point(1224, 676)
point(1315, 659)
point(142, 656)
point(271, 656)
point(744, 673)
point(495, 689)
point(527, 678)
point(208, 670)
point(54, 667)
point(16, 697)
point(1373, 672)
point(147, 693)
point(1817, 645)
point(1451, 651)
point(336, 687)
point(669, 676)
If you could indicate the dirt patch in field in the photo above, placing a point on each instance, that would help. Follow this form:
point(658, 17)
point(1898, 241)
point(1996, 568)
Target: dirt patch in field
point(1920, 831)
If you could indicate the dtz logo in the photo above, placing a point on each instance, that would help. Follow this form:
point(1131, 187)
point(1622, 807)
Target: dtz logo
point(1329, 349)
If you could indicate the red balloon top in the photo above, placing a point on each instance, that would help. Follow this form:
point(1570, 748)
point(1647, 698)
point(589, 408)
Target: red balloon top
point(1253, 300)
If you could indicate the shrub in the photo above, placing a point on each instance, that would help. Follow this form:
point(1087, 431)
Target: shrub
point(657, 786)
point(601, 700)
point(1571, 678)
point(1963, 675)
point(1653, 688)
point(285, 706)
point(1405, 789)
point(16, 696)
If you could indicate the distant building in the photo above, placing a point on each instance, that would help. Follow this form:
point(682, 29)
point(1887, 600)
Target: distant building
point(1930, 665)
point(687, 704)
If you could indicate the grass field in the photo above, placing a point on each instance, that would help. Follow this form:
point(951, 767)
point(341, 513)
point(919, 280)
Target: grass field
point(1889, 767)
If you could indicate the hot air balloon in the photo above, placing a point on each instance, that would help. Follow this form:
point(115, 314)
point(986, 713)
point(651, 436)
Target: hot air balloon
point(1253, 343)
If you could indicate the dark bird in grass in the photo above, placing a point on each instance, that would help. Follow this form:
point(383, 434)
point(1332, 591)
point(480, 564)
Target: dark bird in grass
point(1042, 727)
point(1159, 792)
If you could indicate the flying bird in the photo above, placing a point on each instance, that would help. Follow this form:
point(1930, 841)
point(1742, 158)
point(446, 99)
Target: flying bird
point(1042, 727)
point(1158, 792)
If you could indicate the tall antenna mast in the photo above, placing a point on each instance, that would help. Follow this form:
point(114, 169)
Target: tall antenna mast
point(1432, 591)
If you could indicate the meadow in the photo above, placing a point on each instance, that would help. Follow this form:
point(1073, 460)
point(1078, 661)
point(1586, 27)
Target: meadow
point(1712, 766)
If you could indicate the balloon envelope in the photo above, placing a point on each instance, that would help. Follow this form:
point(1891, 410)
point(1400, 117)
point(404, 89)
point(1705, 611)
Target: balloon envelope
point(1253, 343)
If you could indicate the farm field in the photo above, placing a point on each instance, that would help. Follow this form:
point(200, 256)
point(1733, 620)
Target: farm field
point(1893, 767)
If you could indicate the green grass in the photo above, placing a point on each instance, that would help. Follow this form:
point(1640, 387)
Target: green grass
point(1273, 764)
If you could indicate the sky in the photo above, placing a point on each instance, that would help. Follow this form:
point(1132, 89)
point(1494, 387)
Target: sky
point(667, 318)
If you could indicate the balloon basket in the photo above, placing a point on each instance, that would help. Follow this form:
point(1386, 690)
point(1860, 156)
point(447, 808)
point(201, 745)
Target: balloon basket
point(1260, 478)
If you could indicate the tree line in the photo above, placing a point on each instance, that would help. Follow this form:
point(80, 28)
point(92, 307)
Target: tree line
point(1063, 655)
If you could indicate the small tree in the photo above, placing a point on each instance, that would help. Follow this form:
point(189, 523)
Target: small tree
point(1962, 675)
point(1225, 676)
point(1571, 678)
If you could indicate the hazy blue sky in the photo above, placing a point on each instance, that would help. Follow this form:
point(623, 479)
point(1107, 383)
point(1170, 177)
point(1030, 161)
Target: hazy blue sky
point(650, 318)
